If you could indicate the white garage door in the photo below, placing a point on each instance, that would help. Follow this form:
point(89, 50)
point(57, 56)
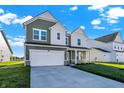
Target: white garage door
point(46, 58)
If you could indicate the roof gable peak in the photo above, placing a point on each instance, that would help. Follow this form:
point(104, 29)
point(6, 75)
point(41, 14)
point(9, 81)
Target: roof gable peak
point(46, 15)
point(4, 37)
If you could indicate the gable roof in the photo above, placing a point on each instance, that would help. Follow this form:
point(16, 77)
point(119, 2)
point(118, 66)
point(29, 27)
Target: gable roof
point(6, 40)
point(47, 15)
point(79, 29)
point(108, 38)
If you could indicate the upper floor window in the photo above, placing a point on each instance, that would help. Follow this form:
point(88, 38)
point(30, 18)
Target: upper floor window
point(66, 41)
point(36, 34)
point(43, 35)
point(78, 42)
point(58, 36)
point(39, 34)
point(121, 48)
point(118, 47)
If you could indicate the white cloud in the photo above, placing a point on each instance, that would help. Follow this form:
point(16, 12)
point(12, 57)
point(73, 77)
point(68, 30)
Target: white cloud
point(21, 20)
point(96, 22)
point(113, 21)
point(116, 29)
point(7, 18)
point(116, 12)
point(74, 8)
point(17, 41)
point(97, 6)
point(98, 27)
point(82, 27)
point(1, 11)
point(113, 14)
point(11, 18)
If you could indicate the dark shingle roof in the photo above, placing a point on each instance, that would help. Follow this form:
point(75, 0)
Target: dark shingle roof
point(102, 49)
point(107, 38)
point(6, 40)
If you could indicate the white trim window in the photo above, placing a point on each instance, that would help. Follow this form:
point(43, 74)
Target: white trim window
point(39, 34)
point(66, 41)
point(43, 35)
point(78, 42)
point(36, 34)
point(58, 36)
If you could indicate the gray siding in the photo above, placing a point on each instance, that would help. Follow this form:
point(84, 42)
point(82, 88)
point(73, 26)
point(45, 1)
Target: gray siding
point(39, 24)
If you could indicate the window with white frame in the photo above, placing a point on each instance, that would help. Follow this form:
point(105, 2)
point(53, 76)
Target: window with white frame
point(78, 41)
point(39, 34)
point(66, 41)
point(36, 34)
point(43, 35)
point(58, 36)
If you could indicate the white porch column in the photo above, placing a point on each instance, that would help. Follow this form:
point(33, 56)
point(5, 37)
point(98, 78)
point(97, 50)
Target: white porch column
point(89, 55)
point(75, 56)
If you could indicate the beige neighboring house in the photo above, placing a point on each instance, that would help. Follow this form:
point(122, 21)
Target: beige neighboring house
point(5, 49)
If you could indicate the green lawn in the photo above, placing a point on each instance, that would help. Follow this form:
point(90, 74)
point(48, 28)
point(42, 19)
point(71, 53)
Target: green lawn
point(111, 64)
point(14, 75)
point(109, 70)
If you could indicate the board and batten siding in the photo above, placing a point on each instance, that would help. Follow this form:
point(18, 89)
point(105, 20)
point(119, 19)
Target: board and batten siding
point(5, 50)
point(98, 55)
point(58, 28)
point(78, 34)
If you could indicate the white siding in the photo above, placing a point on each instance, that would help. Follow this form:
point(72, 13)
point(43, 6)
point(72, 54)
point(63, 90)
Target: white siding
point(96, 44)
point(5, 50)
point(120, 56)
point(78, 34)
point(118, 38)
point(47, 15)
point(58, 28)
point(118, 46)
point(98, 55)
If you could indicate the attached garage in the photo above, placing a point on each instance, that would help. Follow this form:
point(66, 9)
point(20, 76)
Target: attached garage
point(46, 57)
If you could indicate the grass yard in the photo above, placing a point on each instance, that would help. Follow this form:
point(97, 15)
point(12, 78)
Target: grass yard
point(121, 66)
point(14, 75)
point(109, 70)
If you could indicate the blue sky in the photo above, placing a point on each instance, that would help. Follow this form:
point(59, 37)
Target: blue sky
point(95, 20)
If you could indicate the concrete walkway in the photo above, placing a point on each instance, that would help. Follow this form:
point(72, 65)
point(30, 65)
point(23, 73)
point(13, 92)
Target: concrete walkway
point(67, 77)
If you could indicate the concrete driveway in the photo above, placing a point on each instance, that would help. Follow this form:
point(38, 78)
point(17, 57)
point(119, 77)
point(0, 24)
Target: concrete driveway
point(67, 77)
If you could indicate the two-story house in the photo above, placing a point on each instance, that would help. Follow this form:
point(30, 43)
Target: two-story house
point(116, 46)
point(5, 49)
point(48, 42)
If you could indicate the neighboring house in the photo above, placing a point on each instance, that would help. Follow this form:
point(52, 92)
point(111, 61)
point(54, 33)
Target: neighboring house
point(5, 49)
point(116, 46)
point(48, 43)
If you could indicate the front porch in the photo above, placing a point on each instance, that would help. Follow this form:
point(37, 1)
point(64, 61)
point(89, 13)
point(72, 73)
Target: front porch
point(77, 56)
